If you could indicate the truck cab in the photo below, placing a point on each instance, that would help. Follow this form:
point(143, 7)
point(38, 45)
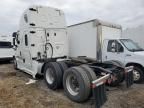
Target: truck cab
point(127, 52)
point(41, 36)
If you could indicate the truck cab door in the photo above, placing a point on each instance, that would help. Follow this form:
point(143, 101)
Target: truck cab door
point(25, 53)
point(113, 50)
point(37, 43)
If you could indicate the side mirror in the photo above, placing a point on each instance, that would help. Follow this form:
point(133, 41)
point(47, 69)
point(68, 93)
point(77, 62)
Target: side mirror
point(14, 34)
point(14, 41)
point(15, 38)
point(32, 9)
point(18, 41)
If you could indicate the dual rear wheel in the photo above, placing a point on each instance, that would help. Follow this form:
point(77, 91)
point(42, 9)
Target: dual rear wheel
point(76, 81)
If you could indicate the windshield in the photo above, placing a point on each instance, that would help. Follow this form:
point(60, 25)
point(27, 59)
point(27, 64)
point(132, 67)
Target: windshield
point(131, 45)
point(5, 45)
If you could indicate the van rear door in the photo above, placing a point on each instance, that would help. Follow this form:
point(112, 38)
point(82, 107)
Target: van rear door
point(6, 50)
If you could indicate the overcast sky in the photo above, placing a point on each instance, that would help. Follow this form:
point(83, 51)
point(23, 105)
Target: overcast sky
point(128, 13)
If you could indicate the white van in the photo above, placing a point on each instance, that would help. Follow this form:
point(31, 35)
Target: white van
point(6, 48)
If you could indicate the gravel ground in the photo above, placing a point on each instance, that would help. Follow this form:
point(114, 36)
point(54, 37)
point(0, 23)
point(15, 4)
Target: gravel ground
point(14, 93)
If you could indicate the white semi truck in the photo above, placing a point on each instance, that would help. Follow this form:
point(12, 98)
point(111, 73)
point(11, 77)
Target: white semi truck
point(6, 48)
point(103, 41)
point(42, 48)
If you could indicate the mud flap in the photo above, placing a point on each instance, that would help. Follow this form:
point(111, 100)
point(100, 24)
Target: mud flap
point(129, 76)
point(99, 91)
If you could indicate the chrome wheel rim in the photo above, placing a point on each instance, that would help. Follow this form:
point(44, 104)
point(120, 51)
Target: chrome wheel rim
point(15, 64)
point(49, 76)
point(72, 85)
point(136, 75)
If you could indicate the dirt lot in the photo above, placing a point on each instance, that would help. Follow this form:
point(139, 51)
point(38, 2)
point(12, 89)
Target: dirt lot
point(14, 93)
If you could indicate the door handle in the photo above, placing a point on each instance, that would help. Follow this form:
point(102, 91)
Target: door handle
point(23, 60)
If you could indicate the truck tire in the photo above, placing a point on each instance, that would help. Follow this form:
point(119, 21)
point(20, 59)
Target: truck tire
point(15, 64)
point(76, 84)
point(63, 66)
point(53, 75)
point(138, 74)
point(91, 74)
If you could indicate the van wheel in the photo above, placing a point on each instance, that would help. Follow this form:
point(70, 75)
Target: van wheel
point(53, 75)
point(91, 74)
point(138, 74)
point(76, 84)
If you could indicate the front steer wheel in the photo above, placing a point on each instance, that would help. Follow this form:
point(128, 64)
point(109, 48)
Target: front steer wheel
point(138, 74)
point(15, 64)
point(76, 84)
point(53, 75)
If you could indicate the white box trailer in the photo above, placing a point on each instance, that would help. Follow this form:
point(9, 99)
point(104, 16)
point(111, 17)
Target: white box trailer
point(136, 34)
point(86, 38)
point(6, 48)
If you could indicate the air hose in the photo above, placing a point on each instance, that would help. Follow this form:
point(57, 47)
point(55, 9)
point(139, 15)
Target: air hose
point(49, 45)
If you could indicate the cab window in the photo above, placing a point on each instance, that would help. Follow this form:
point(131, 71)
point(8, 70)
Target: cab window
point(114, 46)
point(26, 18)
point(26, 40)
point(5, 45)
